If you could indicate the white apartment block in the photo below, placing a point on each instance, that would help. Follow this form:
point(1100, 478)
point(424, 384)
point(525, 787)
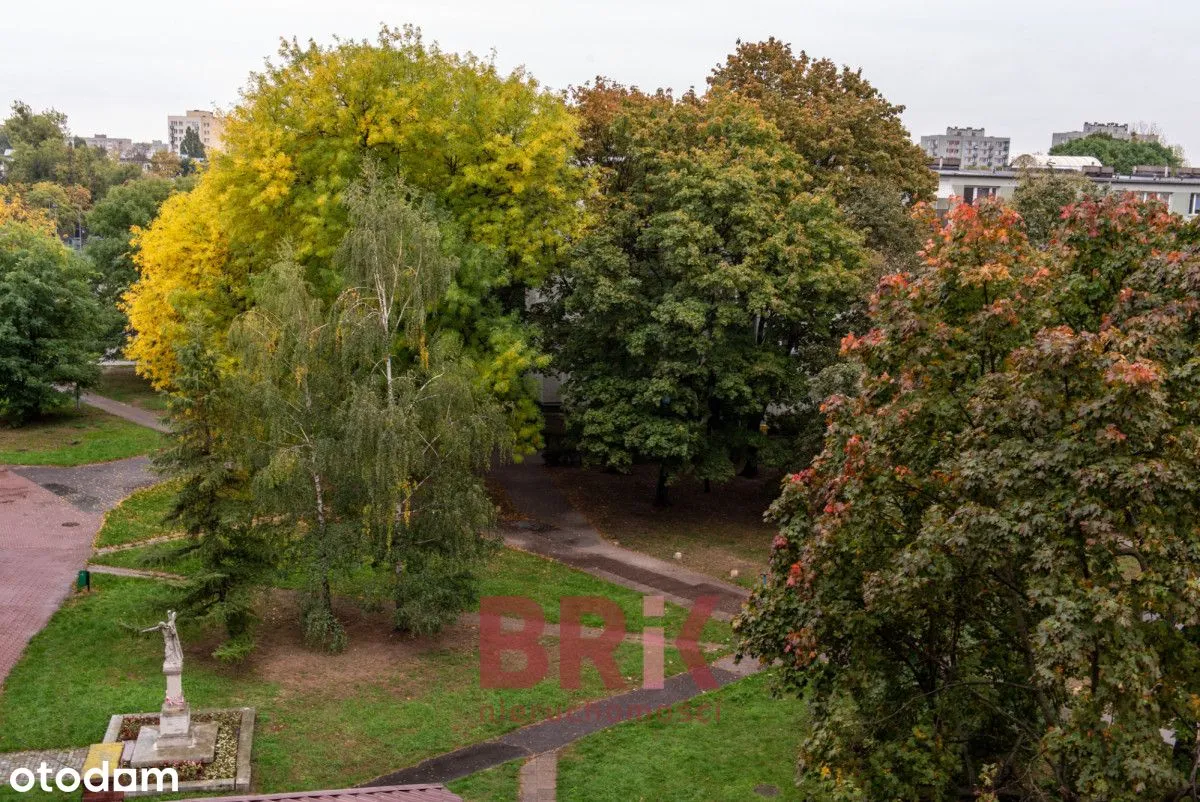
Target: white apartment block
point(1179, 188)
point(971, 146)
point(112, 145)
point(208, 125)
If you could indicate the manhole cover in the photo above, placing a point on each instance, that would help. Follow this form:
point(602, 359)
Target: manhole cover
point(70, 523)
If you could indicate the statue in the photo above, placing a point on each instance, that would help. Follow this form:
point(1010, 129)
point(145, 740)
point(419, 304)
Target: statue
point(174, 652)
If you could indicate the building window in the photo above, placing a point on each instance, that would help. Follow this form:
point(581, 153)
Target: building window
point(1194, 203)
point(973, 194)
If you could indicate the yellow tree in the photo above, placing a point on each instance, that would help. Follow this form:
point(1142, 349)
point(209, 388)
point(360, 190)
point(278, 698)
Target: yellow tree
point(492, 151)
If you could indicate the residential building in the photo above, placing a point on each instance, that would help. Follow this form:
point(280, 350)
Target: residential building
point(971, 146)
point(112, 145)
point(1178, 188)
point(1115, 130)
point(208, 125)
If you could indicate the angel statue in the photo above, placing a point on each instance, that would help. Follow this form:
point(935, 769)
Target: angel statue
point(174, 652)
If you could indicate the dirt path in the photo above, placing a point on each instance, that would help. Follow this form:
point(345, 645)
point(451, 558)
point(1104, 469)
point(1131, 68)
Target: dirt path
point(557, 530)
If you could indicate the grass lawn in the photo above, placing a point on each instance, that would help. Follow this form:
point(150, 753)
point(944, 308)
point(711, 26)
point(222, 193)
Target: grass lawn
point(742, 740)
point(75, 437)
point(498, 784)
point(121, 383)
point(716, 532)
point(324, 721)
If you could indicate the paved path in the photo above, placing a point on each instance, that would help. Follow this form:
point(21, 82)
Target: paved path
point(44, 541)
point(55, 759)
point(555, 733)
point(559, 531)
point(538, 780)
point(93, 488)
point(143, 417)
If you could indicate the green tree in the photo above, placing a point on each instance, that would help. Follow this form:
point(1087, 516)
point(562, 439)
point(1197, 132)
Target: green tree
point(707, 294)
point(850, 136)
point(360, 432)
point(1121, 154)
point(48, 321)
point(191, 147)
point(1041, 196)
point(111, 225)
point(985, 584)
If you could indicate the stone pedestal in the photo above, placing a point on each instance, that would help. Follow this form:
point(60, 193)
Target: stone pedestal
point(175, 739)
point(198, 746)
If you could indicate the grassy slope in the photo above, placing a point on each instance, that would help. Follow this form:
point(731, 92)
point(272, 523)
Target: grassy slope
point(75, 437)
point(121, 383)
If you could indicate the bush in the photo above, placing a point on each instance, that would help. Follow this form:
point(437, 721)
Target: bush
point(986, 583)
point(48, 322)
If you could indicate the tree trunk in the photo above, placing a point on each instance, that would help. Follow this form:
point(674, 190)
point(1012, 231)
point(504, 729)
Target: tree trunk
point(660, 493)
point(707, 485)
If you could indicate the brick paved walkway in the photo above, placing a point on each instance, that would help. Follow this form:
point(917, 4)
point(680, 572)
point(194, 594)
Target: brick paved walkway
point(44, 541)
point(538, 779)
point(55, 759)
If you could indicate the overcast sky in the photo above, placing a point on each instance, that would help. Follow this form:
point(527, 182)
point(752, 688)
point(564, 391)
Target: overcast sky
point(1021, 69)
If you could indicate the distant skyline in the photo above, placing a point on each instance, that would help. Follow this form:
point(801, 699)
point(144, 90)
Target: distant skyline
point(1019, 69)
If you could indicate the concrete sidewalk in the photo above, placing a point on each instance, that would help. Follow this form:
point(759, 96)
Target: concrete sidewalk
point(142, 417)
point(44, 541)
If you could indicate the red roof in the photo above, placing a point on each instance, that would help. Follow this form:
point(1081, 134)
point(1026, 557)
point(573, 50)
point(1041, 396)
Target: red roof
point(384, 793)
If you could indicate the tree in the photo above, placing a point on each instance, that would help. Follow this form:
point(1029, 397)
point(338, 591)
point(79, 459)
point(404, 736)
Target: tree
point(66, 205)
point(984, 584)
point(39, 143)
point(707, 293)
point(833, 117)
point(165, 164)
point(851, 137)
point(1121, 154)
point(15, 207)
point(112, 224)
point(48, 320)
point(492, 151)
point(191, 147)
point(1041, 196)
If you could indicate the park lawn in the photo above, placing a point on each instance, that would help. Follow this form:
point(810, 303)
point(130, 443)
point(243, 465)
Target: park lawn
point(324, 721)
point(716, 532)
point(75, 437)
point(510, 573)
point(121, 383)
point(141, 516)
point(743, 739)
point(498, 784)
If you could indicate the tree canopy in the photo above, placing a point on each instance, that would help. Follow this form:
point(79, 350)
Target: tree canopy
point(705, 297)
point(191, 146)
point(492, 151)
point(48, 321)
point(1120, 154)
point(985, 584)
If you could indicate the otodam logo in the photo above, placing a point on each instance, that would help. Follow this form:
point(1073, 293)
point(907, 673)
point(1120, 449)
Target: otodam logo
point(516, 624)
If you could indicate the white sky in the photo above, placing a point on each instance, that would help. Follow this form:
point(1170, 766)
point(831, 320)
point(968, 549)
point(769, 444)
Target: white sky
point(1020, 68)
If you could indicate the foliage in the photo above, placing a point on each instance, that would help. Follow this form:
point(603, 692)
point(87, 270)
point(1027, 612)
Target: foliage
point(1041, 196)
point(185, 275)
point(695, 310)
point(346, 435)
point(112, 223)
point(985, 584)
point(15, 207)
point(1120, 154)
point(64, 204)
point(492, 151)
point(191, 147)
point(48, 322)
point(844, 128)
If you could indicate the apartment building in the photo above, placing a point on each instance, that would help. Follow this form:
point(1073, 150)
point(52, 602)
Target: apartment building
point(207, 125)
point(971, 146)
